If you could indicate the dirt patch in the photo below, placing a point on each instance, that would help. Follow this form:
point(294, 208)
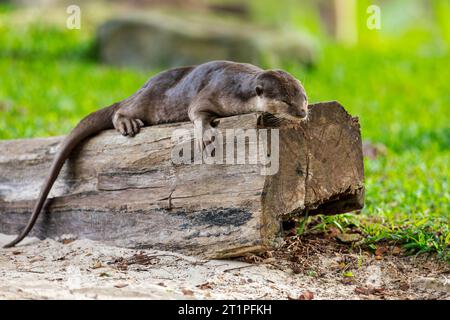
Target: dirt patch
point(304, 268)
point(385, 273)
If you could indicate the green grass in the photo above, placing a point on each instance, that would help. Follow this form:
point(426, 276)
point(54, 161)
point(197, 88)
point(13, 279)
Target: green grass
point(407, 203)
point(49, 79)
point(399, 91)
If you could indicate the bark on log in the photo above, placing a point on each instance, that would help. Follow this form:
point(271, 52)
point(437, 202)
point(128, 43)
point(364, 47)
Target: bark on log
point(128, 192)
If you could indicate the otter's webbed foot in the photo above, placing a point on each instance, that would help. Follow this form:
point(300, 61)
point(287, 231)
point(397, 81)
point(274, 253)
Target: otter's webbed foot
point(127, 126)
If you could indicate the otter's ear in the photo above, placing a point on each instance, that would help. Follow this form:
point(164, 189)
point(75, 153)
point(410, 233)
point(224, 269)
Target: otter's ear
point(259, 90)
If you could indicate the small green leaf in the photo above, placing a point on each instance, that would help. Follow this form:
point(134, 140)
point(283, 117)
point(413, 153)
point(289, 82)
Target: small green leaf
point(348, 274)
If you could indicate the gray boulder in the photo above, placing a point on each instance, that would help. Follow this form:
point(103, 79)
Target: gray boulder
point(163, 40)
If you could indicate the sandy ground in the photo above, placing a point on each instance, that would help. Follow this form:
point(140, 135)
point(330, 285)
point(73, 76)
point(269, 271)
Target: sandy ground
point(84, 269)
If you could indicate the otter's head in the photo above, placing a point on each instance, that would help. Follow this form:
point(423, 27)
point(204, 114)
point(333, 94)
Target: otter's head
point(282, 95)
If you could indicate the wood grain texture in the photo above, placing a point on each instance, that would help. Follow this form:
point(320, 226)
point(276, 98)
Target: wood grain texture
point(128, 192)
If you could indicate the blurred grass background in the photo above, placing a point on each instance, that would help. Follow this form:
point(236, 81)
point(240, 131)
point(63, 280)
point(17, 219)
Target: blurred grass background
point(396, 80)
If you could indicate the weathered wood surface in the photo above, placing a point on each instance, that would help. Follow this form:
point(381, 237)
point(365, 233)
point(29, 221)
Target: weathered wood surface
point(128, 192)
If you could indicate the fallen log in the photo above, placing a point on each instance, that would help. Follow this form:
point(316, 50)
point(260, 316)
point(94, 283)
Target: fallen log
point(133, 192)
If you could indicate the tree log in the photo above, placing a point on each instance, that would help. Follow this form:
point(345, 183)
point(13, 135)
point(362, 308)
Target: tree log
point(129, 191)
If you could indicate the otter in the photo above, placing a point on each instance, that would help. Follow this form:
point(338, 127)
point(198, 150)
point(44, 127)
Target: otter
point(199, 93)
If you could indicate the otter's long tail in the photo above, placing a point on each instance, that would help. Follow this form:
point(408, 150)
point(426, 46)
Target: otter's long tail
point(92, 124)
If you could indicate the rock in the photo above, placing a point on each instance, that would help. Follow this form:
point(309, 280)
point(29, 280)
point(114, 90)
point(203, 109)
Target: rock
point(432, 284)
point(374, 277)
point(162, 40)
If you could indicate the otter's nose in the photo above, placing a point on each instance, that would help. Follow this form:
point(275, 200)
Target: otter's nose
point(301, 113)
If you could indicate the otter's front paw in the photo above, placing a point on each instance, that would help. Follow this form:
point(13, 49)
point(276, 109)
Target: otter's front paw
point(127, 126)
point(209, 136)
point(205, 135)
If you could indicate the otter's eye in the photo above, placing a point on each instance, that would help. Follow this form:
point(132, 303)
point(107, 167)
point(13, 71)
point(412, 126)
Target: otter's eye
point(259, 90)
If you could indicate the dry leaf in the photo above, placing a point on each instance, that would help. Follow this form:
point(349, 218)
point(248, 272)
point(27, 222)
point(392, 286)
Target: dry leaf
point(367, 291)
point(297, 268)
point(187, 292)
point(404, 286)
point(333, 232)
point(307, 295)
point(380, 251)
point(204, 286)
point(361, 290)
point(37, 258)
point(121, 285)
